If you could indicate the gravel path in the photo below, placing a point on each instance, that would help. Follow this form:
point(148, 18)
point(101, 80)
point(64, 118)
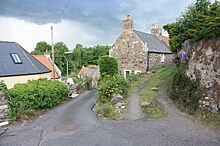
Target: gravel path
point(135, 111)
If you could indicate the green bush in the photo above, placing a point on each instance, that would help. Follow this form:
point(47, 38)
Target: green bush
point(109, 85)
point(108, 66)
point(105, 109)
point(39, 94)
point(185, 91)
point(3, 88)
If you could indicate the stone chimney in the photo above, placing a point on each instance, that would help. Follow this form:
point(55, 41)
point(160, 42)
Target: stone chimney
point(156, 30)
point(47, 54)
point(128, 23)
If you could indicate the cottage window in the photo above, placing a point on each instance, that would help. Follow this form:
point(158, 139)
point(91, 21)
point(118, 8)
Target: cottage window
point(15, 57)
point(137, 72)
point(127, 73)
point(162, 58)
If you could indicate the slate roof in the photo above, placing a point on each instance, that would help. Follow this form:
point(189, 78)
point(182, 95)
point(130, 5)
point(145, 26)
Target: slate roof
point(48, 63)
point(29, 65)
point(90, 72)
point(154, 44)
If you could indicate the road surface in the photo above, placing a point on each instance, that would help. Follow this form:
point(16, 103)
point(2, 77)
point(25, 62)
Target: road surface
point(74, 124)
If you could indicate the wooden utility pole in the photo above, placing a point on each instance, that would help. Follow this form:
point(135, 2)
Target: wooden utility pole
point(53, 71)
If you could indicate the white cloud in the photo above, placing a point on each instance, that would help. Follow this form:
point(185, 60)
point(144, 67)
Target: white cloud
point(28, 34)
point(24, 33)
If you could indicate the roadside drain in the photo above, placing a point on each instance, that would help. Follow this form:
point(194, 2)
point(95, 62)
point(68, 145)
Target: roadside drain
point(63, 128)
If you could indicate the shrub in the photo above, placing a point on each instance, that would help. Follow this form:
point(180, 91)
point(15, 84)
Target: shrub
point(105, 109)
point(39, 94)
point(185, 91)
point(109, 85)
point(108, 66)
point(3, 88)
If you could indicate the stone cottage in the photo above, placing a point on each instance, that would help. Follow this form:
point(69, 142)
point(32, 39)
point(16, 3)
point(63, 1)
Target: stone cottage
point(91, 72)
point(138, 52)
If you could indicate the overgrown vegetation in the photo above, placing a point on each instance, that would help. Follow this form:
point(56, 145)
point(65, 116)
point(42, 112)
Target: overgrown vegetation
point(3, 88)
point(151, 106)
point(108, 66)
point(110, 85)
point(201, 20)
point(185, 91)
point(107, 110)
point(27, 98)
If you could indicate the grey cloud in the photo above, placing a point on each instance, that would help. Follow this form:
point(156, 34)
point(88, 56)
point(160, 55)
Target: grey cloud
point(102, 18)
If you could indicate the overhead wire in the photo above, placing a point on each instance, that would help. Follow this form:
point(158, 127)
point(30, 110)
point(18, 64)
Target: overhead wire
point(62, 11)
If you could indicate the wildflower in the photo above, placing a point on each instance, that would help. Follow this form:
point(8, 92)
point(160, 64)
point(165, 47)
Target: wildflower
point(183, 55)
point(186, 45)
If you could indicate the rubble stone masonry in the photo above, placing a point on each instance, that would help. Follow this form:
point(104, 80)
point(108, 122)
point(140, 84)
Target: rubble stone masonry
point(204, 66)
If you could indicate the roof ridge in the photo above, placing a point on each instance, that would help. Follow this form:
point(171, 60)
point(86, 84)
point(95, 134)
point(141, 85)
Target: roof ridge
point(145, 33)
point(7, 42)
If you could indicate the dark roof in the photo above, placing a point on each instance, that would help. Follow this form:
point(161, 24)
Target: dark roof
point(90, 72)
point(154, 44)
point(29, 64)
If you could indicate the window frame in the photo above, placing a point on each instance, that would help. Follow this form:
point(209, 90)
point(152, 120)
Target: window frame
point(162, 60)
point(16, 58)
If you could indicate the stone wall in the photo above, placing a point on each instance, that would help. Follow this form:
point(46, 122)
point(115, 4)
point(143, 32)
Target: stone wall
point(155, 60)
point(204, 66)
point(3, 109)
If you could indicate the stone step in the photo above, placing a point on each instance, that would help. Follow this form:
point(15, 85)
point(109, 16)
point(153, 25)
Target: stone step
point(4, 123)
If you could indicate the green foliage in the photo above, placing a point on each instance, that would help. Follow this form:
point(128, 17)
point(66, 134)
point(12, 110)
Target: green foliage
point(106, 110)
point(41, 48)
point(109, 85)
point(185, 91)
point(200, 21)
point(59, 49)
point(149, 95)
point(3, 88)
point(80, 56)
point(35, 95)
point(108, 66)
point(86, 56)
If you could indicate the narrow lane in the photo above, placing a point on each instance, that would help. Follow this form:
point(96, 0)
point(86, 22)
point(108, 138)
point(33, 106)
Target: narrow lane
point(66, 119)
point(84, 129)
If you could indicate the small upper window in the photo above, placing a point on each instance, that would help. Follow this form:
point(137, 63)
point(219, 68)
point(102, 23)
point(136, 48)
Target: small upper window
point(162, 58)
point(16, 58)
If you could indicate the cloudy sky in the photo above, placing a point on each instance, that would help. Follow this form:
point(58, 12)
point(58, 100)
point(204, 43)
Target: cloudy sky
point(86, 22)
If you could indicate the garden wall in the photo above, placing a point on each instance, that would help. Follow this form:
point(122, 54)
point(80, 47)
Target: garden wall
point(3, 109)
point(204, 66)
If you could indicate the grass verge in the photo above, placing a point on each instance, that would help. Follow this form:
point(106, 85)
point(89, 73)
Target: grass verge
point(149, 103)
point(107, 111)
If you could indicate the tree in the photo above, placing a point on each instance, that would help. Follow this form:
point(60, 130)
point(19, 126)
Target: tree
point(41, 48)
point(87, 56)
point(59, 49)
point(200, 21)
point(108, 66)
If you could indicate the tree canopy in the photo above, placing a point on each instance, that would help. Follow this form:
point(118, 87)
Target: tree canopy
point(201, 20)
point(80, 56)
point(87, 56)
point(41, 48)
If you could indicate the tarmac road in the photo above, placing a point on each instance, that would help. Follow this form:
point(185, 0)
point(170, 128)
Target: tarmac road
point(74, 124)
